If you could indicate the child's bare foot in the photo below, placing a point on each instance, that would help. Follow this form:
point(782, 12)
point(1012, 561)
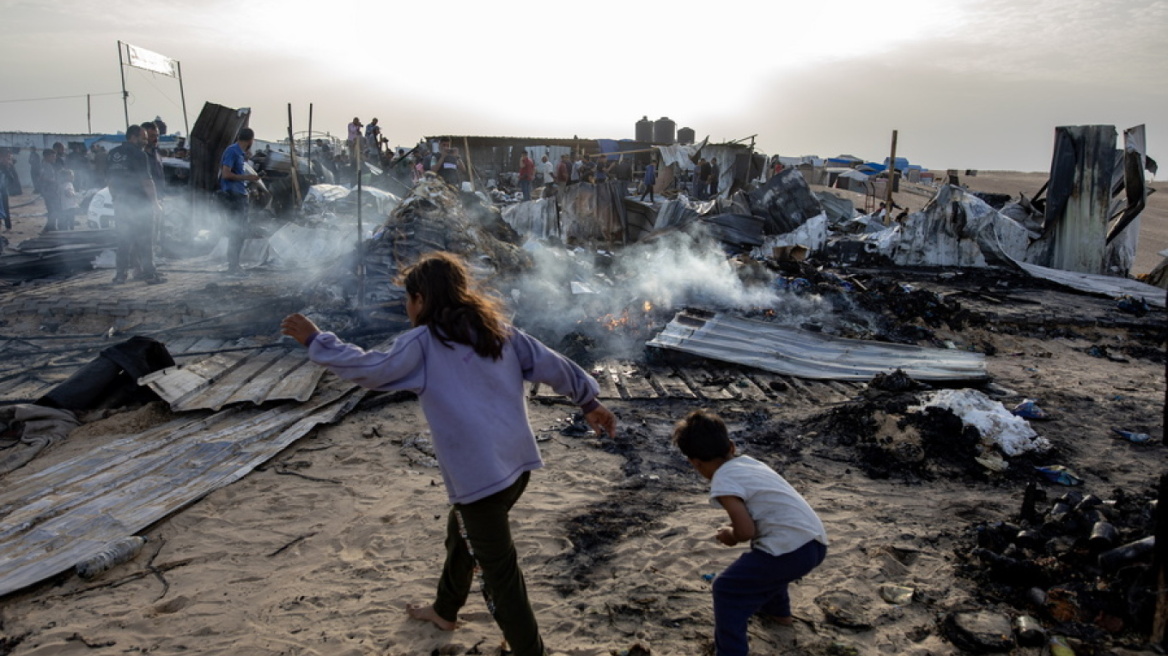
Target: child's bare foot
point(428, 614)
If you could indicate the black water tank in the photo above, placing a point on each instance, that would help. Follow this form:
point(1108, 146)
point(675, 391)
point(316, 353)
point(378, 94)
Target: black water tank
point(685, 136)
point(663, 131)
point(644, 131)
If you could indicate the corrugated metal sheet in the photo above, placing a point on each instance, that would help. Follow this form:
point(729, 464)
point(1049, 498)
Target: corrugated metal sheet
point(805, 354)
point(230, 378)
point(1098, 284)
point(52, 519)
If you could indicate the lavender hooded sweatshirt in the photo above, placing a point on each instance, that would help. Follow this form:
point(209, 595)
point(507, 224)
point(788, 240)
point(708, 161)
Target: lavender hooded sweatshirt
point(475, 405)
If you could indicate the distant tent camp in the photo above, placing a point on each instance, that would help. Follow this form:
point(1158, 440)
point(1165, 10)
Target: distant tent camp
point(856, 181)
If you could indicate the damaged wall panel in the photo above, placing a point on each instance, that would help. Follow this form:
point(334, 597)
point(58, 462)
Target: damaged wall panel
point(1078, 198)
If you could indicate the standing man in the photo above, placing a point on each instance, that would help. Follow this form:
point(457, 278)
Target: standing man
point(649, 180)
point(59, 162)
point(547, 170)
point(563, 171)
point(354, 136)
point(587, 168)
point(601, 174)
point(78, 161)
point(576, 166)
point(50, 191)
point(154, 159)
point(373, 137)
point(100, 164)
point(5, 167)
point(712, 181)
point(526, 175)
point(233, 180)
point(153, 156)
point(448, 164)
point(135, 207)
point(8, 169)
point(34, 165)
point(701, 178)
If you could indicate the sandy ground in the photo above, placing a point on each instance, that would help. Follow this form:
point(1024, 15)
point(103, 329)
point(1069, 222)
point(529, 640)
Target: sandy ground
point(322, 560)
point(280, 564)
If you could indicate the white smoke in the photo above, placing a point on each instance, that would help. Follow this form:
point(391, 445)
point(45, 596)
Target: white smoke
point(578, 290)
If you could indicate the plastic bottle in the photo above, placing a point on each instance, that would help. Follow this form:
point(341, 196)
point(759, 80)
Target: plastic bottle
point(113, 554)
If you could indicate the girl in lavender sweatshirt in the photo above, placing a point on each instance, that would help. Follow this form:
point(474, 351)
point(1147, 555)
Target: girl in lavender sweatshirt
point(468, 368)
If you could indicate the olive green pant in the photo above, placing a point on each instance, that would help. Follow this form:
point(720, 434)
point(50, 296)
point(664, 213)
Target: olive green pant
point(480, 532)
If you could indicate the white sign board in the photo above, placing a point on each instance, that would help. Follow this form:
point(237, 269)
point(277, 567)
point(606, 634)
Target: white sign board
point(151, 61)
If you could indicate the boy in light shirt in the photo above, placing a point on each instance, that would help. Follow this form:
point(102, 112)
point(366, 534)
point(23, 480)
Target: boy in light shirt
point(786, 537)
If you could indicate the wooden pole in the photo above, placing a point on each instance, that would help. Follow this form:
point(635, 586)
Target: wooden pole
point(292, 156)
point(891, 178)
point(469, 164)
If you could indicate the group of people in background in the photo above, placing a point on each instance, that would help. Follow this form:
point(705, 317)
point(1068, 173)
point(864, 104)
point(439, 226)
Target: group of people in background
point(61, 178)
point(64, 177)
point(704, 183)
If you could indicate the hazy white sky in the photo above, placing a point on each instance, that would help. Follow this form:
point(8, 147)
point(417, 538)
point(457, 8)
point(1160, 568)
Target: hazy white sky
point(968, 84)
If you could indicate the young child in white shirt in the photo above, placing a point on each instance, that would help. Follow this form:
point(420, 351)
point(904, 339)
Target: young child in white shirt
point(786, 537)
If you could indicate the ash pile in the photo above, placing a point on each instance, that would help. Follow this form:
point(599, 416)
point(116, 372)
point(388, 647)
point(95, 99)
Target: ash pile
point(1075, 567)
point(901, 428)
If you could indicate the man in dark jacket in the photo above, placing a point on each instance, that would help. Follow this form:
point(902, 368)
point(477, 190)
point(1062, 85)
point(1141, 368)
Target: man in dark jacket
point(135, 207)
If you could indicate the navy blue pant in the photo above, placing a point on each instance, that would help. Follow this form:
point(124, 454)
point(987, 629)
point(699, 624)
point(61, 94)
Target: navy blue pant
point(757, 582)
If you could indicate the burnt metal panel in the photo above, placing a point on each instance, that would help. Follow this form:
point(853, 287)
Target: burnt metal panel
point(804, 354)
point(1079, 197)
point(229, 378)
point(215, 129)
point(1099, 285)
point(52, 519)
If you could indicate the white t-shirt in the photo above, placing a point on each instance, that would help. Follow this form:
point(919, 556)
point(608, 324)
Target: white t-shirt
point(70, 199)
point(783, 521)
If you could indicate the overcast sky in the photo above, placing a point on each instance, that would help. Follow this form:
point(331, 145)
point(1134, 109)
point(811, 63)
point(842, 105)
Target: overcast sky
point(968, 84)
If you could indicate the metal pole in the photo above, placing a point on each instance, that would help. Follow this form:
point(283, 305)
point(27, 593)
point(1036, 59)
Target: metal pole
point(182, 95)
point(469, 164)
point(891, 178)
point(749, 161)
point(89, 113)
point(310, 138)
point(292, 159)
point(360, 235)
point(125, 96)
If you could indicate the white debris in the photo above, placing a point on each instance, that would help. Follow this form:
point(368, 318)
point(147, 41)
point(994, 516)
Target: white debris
point(1012, 434)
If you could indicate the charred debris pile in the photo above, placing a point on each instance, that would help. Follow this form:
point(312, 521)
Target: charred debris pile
point(1071, 565)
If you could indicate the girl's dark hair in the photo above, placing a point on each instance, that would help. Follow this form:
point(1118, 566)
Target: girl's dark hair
point(702, 435)
point(454, 308)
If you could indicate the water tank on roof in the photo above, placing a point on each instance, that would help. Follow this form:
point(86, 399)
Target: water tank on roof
point(644, 131)
point(663, 131)
point(685, 136)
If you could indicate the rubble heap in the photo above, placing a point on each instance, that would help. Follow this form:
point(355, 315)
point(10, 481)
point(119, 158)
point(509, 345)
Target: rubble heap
point(437, 217)
point(1078, 563)
point(433, 217)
